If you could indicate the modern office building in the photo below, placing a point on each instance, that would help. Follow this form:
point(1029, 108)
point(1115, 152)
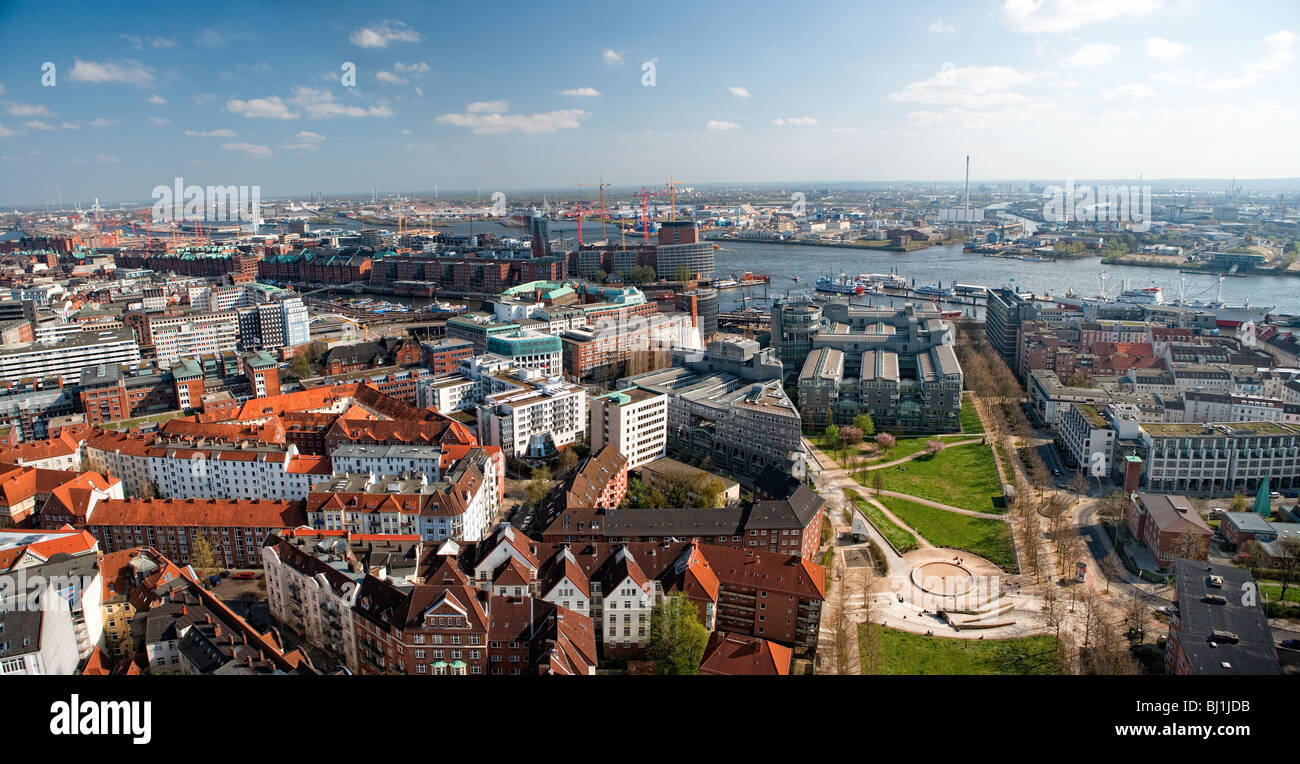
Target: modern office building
point(898, 365)
point(1005, 312)
point(69, 356)
point(634, 421)
point(727, 405)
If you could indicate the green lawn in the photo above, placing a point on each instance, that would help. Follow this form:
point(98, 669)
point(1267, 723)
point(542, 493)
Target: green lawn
point(901, 538)
point(1271, 591)
point(990, 539)
point(959, 476)
point(906, 654)
point(969, 417)
point(158, 419)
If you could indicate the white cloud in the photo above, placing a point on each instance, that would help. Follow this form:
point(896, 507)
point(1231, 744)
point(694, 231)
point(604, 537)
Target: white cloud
point(718, 125)
point(261, 108)
point(305, 141)
point(36, 124)
point(2, 88)
point(159, 122)
point(7, 133)
point(738, 91)
point(1038, 16)
point(1280, 40)
point(128, 72)
point(611, 57)
point(319, 103)
point(106, 159)
point(101, 122)
point(29, 110)
point(162, 42)
point(838, 130)
point(487, 106)
point(1092, 55)
point(381, 34)
point(396, 77)
point(155, 98)
point(794, 121)
point(967, 86)
point(406, 131)
point(1159, 47)
point(251, 148)
point(583, 92)
point(1278, 58)
point(221, 133)
point(487, 118)
point(1131, 91)
point(938, 26)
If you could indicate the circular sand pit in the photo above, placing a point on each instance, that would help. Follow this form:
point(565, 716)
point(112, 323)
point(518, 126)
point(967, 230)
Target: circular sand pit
point(943, 578)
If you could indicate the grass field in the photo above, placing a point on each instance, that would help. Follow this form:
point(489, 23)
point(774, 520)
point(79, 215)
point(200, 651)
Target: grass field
point(990, 539)
point(1271, 591)
point(901, 538)
point(959, 476)
point(969, 418)
point(906, 654)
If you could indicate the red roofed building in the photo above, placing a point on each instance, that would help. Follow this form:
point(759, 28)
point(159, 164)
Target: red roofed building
point(737, 655)
point(70, 502)
point(235, 528)
point(58, 453)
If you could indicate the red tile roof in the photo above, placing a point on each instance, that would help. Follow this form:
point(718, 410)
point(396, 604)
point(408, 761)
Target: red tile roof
point(184, 513)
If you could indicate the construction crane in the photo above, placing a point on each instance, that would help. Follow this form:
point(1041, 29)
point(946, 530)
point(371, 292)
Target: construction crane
point(602, 185)
point(672, 197)
point(645, 213)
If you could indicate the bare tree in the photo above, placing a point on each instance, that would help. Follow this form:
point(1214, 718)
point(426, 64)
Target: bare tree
point(870, 648)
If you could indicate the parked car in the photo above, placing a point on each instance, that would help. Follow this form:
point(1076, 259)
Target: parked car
point(244, 576)
point(1274, 495)
point(1290, 644)
point(213, 580)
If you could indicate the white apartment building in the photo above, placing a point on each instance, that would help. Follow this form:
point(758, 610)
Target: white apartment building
point(70, 355)
point(534, 419)
point(634, 420)
point(191, 338)
point(250, 472)
point(387, 460)
point(313, 596)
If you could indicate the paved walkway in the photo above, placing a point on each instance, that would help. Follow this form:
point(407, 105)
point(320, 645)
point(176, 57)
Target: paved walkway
point(937, 505)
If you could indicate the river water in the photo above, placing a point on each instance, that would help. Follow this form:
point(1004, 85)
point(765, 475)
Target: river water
point(945, 264)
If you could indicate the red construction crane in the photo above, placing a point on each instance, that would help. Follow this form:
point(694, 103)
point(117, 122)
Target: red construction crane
point(645, 213)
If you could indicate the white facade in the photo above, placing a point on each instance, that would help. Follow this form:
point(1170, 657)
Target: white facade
point(534, 419)
point(634, 421)
point(191, 339)
point(228, 474)
point(387, 460)
point(309, 605)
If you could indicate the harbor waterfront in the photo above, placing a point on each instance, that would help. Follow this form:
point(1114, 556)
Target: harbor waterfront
point(947, 264)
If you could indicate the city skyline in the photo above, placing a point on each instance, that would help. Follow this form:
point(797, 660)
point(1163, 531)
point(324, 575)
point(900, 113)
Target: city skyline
point(451, 97)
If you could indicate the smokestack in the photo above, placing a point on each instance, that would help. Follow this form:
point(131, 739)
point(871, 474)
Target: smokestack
point(966, 217)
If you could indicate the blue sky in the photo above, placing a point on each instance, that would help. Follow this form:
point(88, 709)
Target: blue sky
point(507, 95)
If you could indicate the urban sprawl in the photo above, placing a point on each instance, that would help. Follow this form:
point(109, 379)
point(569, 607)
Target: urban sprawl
point(415, 436)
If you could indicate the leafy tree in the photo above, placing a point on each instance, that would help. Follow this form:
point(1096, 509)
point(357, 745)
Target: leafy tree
point(538, 488)
point(203, 557)
point(682, 273)
point(934, 446)
point(601, 276)
point(833, 436)
point(1240, 503)
point(677, 638)
point(300, 366)
point(708, 491)
point(863, 422)
point(146, 491)
point(850, 435)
